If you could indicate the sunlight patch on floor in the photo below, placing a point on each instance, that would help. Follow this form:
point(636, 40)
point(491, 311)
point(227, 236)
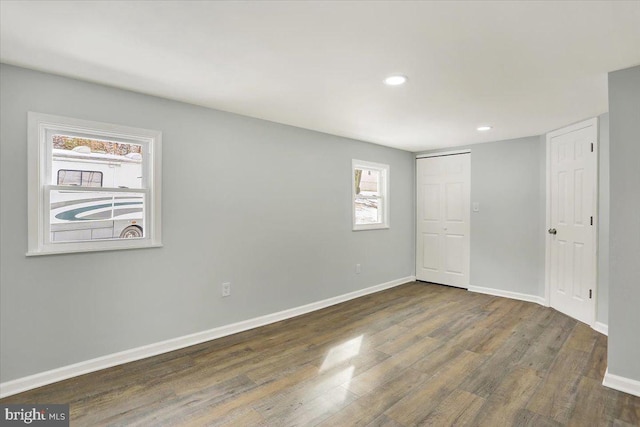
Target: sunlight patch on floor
point(341, 353)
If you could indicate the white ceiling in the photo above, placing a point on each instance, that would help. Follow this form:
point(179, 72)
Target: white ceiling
point(524, 68)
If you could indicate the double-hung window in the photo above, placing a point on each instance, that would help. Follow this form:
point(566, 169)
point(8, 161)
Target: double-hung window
point(92, 186)
point(370, 187)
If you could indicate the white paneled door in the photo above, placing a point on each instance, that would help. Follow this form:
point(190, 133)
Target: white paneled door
point(443, 194)
point(571, 257)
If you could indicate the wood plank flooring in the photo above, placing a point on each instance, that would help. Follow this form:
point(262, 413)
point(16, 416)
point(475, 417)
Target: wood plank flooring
point(418, 354)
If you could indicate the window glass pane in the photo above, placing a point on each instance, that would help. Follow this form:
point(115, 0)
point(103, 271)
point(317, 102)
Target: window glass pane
point(91, 179)
point(69, 177)
point(367, 182)
point(101, 162)
point(368, 211)
point(81, 216)
point(80, 178)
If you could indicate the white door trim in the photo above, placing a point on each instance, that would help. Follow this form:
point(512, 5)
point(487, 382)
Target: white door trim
point(442, 153)
point(594, 159)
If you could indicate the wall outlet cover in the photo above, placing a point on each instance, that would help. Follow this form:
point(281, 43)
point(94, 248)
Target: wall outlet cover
point(226, 289)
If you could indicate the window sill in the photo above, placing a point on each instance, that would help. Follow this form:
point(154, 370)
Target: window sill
point(94, 249)
point(370, 227)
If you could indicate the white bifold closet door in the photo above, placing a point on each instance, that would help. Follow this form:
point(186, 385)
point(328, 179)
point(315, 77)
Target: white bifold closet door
point(443, 217)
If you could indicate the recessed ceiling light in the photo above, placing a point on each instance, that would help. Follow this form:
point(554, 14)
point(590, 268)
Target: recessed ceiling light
point(395, 80)
point(484, 128)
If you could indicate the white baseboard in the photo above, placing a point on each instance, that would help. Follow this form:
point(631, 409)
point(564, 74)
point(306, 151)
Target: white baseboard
point(601, 327)
point(48, 377)
point(625, 385)
point(508, 294)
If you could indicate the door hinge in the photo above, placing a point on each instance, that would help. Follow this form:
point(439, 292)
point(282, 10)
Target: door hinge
point(592, 147)
point(590, 293)
point(591, 220)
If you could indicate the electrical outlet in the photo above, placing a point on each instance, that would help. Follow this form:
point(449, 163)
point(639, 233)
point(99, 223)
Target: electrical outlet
point(226, 289)
point(358, 269)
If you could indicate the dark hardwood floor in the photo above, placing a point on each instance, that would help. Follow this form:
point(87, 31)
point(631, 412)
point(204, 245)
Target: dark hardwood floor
point(418, 354)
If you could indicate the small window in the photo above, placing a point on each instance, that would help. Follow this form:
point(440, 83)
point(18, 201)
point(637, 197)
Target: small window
point(79, 178)
point(93, 186)
point(370, 189)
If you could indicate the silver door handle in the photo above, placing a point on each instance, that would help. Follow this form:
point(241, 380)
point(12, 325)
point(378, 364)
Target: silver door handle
point(552, 231)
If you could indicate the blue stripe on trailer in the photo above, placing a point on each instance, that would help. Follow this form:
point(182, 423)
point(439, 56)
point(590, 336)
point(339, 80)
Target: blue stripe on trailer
point(71, 215)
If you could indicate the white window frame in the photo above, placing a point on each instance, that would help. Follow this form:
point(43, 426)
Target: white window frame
point(384, 171)
point(40, 155)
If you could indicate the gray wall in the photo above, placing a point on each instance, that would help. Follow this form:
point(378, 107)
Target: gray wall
point(239, 204)
point(602, 309)
point(507, 235)
point(624, 238)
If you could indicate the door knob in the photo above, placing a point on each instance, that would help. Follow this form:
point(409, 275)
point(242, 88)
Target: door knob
point(552, 231)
